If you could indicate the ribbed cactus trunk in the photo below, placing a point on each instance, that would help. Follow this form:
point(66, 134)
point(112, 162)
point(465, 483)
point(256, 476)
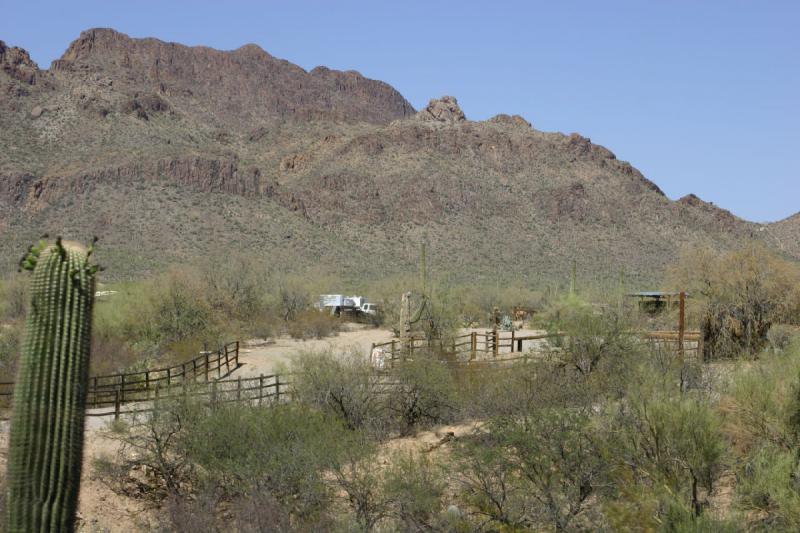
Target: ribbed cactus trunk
point(46, 437)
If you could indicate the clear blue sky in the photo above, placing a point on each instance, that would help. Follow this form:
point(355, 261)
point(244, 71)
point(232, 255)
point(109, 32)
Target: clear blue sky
point(701, 96)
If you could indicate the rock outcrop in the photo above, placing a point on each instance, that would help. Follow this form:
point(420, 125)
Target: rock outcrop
point(240, 86)
point(445, 110)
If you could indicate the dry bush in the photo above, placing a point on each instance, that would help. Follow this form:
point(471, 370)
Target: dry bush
point(182, 514)
point(425, 393)
point(313, 324)
point(737, 296)
point(10, 344)
point(344, 385)
point(13, 297)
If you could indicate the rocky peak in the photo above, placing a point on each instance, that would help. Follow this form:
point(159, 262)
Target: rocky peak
point(444, 109)
point(17, 63)
point(242, 87)
point(511, 120)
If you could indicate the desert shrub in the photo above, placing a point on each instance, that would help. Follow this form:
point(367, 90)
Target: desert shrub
point(150, 442)
point(343, 385)
point(737, 296)
point(168, 312)
point(281, 450)
point(668, 445)
point(13, 298)
point(768, 489)
point(10, 344)
point(236, 287)
point(780, 337)
point(292, 296)
point(190, 514)
point(492, 493)
point(535, 471)
point(260, 512)
point(763, 404)
point(424, 393)
point(591, 338)
point(359, 476)
point(416, 486)
point(762, 420)
point(312, 324)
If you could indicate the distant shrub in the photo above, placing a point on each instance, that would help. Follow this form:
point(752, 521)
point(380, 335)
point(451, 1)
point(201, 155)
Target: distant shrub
point(737, 296)
point(10, 344)
point(780, 337)
point(13, 298)
point(313, 324)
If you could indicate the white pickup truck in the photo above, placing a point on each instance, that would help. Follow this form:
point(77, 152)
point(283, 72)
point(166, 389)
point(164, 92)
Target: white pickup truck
point(339, 303)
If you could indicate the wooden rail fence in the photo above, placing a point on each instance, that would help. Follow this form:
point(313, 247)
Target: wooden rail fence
point(490, 345)
point(118, 389)
point(203, 376)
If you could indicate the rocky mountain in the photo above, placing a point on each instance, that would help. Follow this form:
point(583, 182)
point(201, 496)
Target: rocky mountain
point(177, 154)
point(785, 235)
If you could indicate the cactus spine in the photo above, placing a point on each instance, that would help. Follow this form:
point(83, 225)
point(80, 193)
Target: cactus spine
point(46, 437)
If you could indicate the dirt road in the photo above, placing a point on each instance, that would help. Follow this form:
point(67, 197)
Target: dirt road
point(267, 358)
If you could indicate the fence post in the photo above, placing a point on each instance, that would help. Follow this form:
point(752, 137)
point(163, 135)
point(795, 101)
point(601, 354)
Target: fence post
point(496, 343)
point(116, 404)
point(237, 354)
point(277, 388)
point(512, 339)
point(473, 345)
point(260, 388)
point(206, 372)
point(95, 391)
point(393, 349)
point(123, 386)
point(169, 377)
point(219, 364)
point(194, 368)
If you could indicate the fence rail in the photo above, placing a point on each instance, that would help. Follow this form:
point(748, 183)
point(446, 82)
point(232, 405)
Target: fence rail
point(483, 346)
point(108, 390)
point(259, 390)
point(203, 376)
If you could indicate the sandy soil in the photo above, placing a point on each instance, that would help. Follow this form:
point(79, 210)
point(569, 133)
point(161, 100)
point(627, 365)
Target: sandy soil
point(260, 358)
point(100, 509)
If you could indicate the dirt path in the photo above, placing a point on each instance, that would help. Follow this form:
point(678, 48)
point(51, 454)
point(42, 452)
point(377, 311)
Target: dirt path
point(266, 358)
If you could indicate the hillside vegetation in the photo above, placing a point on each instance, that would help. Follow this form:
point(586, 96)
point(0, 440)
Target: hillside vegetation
point(176, 154)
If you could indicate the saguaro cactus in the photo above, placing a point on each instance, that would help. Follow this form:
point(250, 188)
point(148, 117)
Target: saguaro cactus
point(46, 437)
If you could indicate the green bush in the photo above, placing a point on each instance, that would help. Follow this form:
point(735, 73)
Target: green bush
point(669, 445)
point(769, 489)
point(281, 450)
point(416, 487)
point(424, 393)
point(343, 385)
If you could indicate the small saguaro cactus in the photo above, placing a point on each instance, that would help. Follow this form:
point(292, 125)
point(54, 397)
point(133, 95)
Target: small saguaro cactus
point(46, 436)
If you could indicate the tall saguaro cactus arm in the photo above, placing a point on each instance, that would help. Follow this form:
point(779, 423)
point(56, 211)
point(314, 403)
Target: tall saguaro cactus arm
point(46, 437)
